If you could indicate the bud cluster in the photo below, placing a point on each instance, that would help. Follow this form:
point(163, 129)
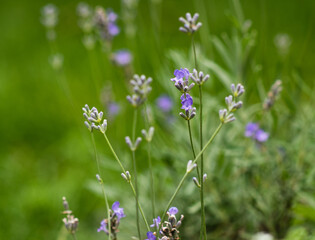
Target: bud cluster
point(199, 78)
point(274, 92)
point(71, 223)
point(226, 115)
point(133, 145)
point(87, 24)
point(94, 119)
point(190, 23)
point(141, 89)
point(148, 135)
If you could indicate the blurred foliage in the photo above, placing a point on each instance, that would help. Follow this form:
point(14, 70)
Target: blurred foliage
point(46, 151)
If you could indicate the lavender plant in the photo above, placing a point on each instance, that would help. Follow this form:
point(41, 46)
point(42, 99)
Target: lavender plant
point(165, 227)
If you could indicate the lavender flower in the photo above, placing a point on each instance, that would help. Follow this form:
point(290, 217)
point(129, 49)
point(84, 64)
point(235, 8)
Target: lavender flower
point(71, 222)
point(141, 89)
point(274, 92)
point(156, 222)
point(122, 57)
point(133, 146)
point(187, 101)
point(181, 80)
point(106, 23)
point(113, 108)
point(253, 131)
point(170, 227)
point(164, 103)
point(94, 119)
point(190, 23)
point(150, 236)
point(226, 115)
point(85, 14)
point(116, 213)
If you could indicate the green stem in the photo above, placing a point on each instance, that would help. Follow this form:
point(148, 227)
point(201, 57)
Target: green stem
point(74, 236)
point(192, 146)
point(194, 49)
point(130, 183)
point(203, 220)
point(134, 125)
point(186, 173)
point(103, 190)
point(152, 180)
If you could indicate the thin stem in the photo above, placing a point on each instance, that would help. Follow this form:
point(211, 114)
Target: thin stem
point(186, 173)
point(134, 125)
point(203, 220)
point(194, 49)
point(130, 183)
point(74, 236)
point(191, 141)
point(192, 146)
point(152, 180)
point(103, 190)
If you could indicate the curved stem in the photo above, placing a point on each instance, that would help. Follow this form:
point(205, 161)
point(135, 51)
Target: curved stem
point(130, 183)
point(103, 189)
point(186, 173)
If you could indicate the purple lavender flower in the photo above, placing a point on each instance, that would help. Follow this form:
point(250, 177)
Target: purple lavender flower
point(103, 227)
point(113, 108)
point(150, 236)
point(253, 131)
point(173, 210)
point(113, 29)
point(118, 211)
point(261, 135)
point(181, 80)
point(187, 101)
point(164, 103)
point(156, 222)
point(122, 57)
point(182, 73)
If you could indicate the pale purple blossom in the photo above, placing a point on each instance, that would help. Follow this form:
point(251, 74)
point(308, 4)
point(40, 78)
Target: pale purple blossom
point(253, 131)
point(164, 103)
point(181, 80)
point(186, 102)
point(122, 57)
point(150, 236)
point(156, 222)
point(103, 227)
point(118, 211)
point(173, 210)
point(113, 108)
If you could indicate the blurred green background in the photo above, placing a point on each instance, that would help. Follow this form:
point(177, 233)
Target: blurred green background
point(46, 150)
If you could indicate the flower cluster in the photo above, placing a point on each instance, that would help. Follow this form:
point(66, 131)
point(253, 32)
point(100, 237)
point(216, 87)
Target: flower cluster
point(253, 131)
point(116, 213)
point(181, 80)
point(190, 23)
point(141, 90)
point(169, 229)
point(106, 23)
point(133, 145)
point(274, 92)
point(94, 119)
point(226, 115)
point(71, 222)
